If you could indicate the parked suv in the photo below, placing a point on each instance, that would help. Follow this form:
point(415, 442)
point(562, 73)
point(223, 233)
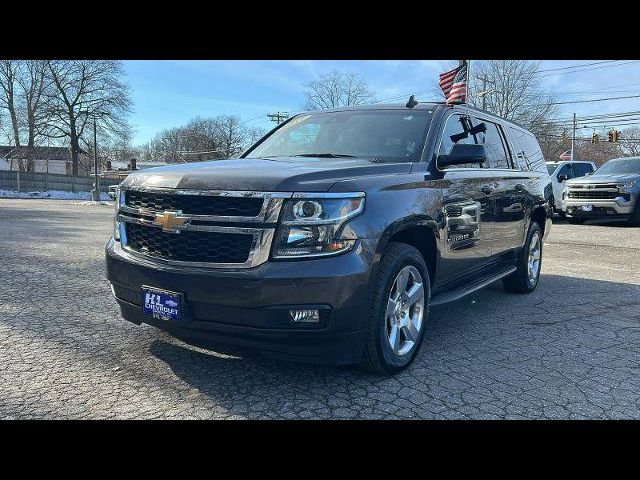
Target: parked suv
point(330, 238)
point(561, 172)
point(612, 191)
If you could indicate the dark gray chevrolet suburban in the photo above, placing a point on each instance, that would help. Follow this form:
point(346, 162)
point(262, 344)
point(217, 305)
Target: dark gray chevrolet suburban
point(328, 240)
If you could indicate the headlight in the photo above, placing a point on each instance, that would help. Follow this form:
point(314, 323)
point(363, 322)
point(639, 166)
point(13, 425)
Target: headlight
point(119, 201)
point(627, 187)
point(312, 224)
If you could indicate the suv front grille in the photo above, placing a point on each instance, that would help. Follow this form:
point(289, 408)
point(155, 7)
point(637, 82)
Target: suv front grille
point(189, 246)
point(592, 194)
point(195, 204)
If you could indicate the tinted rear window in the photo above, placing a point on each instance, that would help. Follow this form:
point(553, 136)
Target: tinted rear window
point(528, 153)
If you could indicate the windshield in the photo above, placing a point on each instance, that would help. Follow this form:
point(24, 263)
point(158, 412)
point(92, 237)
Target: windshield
point(384, 135)
point(619, 167)
point(551, 167)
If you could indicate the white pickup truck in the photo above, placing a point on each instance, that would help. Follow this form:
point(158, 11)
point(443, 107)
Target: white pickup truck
point(562, 171)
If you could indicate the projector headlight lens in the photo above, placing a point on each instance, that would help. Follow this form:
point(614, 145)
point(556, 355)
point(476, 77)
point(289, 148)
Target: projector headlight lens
point(312, 226)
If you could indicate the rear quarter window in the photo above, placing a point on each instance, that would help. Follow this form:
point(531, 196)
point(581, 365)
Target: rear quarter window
point(528, 153)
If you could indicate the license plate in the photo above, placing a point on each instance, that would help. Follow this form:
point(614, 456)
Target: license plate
point(161, 304)
point(587, 208)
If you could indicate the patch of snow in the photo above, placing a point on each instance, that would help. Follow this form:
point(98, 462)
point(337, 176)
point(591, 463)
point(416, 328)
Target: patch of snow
point(53, 194)
point(92, 203)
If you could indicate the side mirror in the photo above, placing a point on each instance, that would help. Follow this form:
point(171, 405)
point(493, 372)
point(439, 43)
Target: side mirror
point(463, 154)
point(563, 177)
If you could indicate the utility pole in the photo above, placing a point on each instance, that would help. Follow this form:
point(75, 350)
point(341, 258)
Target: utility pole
point(484, 91)
point(278, 117)
point(96, 187)
point(573, 138)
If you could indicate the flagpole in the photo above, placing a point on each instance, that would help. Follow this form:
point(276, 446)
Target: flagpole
point(468, 62)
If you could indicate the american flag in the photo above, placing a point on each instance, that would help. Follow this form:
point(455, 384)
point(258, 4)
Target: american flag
point(454, 84)
point(566, 155)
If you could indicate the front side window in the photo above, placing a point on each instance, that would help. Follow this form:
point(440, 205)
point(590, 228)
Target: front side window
point(497, 155)
point(456, 132)
point(582, 169)
point(566, 170)
point(383, 135)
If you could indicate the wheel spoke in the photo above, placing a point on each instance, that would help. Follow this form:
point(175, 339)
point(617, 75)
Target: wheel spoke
point(415, 294)
point(394, 338)
point(410, 331)
point(391, 307)
point(402, 281)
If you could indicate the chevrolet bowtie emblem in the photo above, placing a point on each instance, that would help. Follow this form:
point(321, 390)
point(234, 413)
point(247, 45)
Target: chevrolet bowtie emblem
point(171, 221)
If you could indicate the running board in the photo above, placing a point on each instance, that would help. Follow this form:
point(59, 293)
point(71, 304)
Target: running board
point(454, 295)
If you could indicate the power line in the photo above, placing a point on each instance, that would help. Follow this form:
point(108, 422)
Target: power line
point(593, 100)
point(576, 66)
point(587, 69)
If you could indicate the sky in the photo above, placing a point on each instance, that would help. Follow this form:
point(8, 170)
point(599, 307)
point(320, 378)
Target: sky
point(169, 93)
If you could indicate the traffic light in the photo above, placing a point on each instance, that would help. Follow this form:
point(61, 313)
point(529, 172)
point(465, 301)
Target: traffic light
point(595, 138)
point(610, 134)
point(616, 134)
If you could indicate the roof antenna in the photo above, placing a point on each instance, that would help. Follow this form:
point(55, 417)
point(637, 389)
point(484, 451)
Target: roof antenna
point(412, 102)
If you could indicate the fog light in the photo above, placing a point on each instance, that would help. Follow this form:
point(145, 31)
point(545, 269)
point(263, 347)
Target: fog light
point(308, 316)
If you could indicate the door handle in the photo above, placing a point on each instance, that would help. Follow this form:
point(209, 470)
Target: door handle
point(486, 189)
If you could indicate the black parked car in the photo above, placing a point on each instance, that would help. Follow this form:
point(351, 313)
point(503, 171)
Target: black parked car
point(329, 239)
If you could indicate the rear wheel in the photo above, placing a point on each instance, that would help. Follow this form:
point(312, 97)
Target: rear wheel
point(399, 310)
point(525, 278)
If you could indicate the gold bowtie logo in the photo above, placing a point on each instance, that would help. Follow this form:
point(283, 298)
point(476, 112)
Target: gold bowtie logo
point(171, 221)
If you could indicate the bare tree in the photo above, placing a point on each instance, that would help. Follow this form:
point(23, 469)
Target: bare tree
point(630, 141)
point(9, 72)
point(513, 92)
point(231, 135)
point(337, 89)
point(81, 91)
point(33, 82)
point(201, 139)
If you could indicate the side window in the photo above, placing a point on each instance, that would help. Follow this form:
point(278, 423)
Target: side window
point(582, 169)
point(517, 151)
point(530, 157)
point(497, 153)
point(567, 170)
point(454, 133)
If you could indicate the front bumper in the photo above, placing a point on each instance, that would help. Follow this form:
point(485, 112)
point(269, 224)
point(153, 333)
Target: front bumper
point(250, 307)
point(601, 208)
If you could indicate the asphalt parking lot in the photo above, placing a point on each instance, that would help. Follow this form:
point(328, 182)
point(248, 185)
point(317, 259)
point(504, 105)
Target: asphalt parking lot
point(569, 350)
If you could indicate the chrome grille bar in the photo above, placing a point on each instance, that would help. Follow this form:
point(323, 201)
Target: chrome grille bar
point(262, 234)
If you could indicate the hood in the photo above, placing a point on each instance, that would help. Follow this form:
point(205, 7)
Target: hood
point(590, 179)
point(285, 174)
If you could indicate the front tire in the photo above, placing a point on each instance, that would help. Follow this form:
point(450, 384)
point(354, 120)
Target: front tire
point(399, 310)
point(525, 278)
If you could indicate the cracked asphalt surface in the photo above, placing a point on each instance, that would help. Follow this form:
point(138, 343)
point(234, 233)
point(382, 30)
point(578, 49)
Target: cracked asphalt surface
point(570, 350)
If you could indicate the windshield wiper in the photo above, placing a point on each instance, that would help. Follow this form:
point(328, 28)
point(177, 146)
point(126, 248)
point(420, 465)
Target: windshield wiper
point(324, 155)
